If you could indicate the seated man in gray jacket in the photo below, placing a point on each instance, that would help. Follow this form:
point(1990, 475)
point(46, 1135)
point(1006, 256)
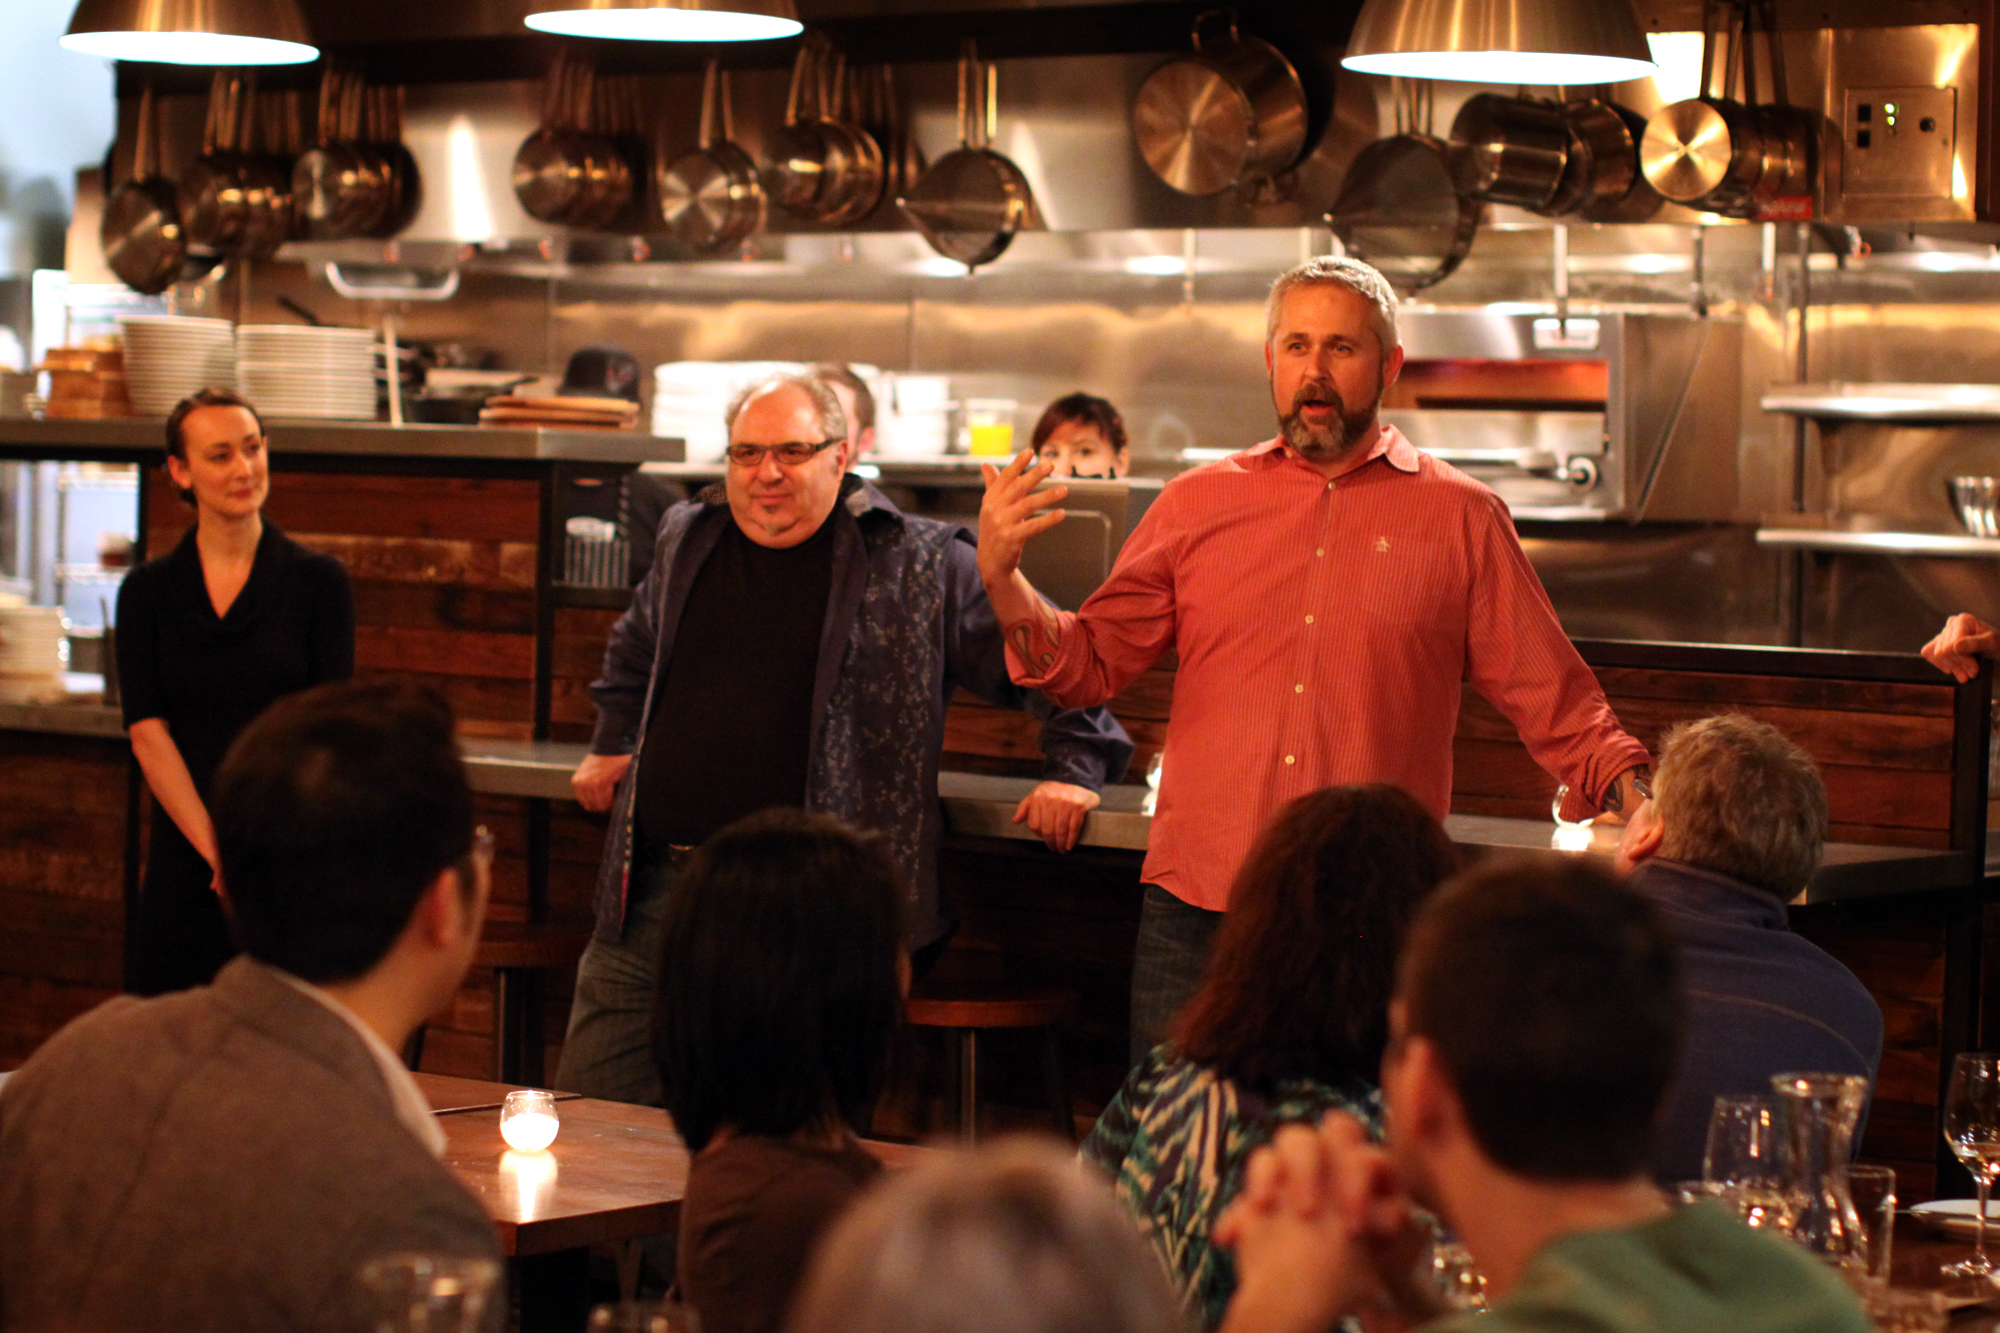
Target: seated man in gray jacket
point(230, 1157)
point(1733, 831)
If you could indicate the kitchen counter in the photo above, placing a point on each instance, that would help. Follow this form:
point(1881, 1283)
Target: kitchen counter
point(34, 437)
point(982, 806)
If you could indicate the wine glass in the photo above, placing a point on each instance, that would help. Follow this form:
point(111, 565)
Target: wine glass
point(1972, 1129)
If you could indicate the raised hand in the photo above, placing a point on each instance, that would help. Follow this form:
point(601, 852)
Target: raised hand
point(1012, 512)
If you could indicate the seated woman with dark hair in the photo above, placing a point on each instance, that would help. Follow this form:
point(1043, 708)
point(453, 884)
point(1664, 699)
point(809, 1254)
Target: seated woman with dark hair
point(1290, 1021)
point(1082, 435)
point(779, 993)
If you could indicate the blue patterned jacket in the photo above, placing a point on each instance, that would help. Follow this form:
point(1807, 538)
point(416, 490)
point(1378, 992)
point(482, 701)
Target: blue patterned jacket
point(907, 622)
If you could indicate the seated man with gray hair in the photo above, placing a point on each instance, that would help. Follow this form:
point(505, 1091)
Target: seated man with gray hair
point(1733, 832)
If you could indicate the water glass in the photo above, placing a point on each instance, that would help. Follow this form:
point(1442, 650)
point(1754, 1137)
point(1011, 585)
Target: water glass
point(1744, 1159)
point(528, 1119)
point(429, 1293)
point(1459, 1282)
point(1908, 1311)
point(644, 1317)
point(1874, 1192)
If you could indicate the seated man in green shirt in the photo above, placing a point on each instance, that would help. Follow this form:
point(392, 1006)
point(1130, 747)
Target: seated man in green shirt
point(1533, 1035)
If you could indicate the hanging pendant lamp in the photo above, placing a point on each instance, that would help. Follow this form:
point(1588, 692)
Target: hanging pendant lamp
point(192, 32)
point(671, 20)
point(1539, 42)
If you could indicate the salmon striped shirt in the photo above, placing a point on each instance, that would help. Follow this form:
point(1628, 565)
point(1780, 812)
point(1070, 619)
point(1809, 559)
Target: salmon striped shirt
point(1323, 629)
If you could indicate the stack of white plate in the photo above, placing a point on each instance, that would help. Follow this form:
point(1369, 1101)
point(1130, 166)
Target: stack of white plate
point(168, 357)
point(690, 398)
point(913, 416)
point(34, 652)
point(289, 370)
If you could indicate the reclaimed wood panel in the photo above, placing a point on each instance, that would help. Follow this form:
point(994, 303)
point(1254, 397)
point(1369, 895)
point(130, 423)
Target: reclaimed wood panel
point(444, 607)
point(447, 652)
point(475, 509)
point(1726, 690)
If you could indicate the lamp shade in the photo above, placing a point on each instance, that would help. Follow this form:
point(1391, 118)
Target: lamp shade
point(670, 20)
point(1501, 41)
point(192, 32)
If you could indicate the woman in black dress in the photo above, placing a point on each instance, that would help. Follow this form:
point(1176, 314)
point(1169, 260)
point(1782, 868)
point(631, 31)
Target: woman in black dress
point(209, 635)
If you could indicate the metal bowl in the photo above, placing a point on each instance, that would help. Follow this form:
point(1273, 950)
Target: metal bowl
point(1977, 500)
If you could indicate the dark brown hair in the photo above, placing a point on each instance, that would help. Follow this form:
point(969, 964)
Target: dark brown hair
point(1086, 408)
point(213, 396)
point(778, 990)
point(1552, 994)
point(1299, 984)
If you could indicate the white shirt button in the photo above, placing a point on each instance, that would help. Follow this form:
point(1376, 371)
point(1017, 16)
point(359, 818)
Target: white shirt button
point(1309, 620)
point(1320, 551)
point(1301, 689)
point(1288, 759)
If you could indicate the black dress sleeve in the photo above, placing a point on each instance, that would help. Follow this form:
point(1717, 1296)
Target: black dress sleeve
point(330, 635)
point(138, 631)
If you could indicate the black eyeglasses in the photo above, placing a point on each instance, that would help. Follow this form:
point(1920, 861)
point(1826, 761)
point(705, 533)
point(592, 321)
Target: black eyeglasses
point(792, 453)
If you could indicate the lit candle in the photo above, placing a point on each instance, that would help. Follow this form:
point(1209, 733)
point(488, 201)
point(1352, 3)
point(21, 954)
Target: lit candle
point(528, 1120)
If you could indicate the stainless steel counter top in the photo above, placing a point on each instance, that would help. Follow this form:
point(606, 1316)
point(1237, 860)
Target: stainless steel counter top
point(365, 438)
point(1850, 401)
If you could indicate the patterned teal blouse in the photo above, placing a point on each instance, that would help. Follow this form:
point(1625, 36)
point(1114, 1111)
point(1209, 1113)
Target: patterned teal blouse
point(1175, 1141)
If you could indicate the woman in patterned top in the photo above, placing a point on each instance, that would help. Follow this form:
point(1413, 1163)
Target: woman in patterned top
point(1289, 1023)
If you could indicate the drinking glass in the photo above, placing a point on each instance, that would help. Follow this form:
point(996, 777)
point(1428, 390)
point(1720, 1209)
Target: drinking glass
point(1459, 1282)
point(429, 1293)
point(1874, 1191)
point(528, 1119)
point(644, 1317)
point(1972, 1129)
point(1744, 1160)
point(1908, 1311)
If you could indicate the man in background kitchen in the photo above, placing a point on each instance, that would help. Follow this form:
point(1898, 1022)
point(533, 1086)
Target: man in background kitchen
point(857, 404)
point(1733, 831)
point(1327, 591)
point(796, 644)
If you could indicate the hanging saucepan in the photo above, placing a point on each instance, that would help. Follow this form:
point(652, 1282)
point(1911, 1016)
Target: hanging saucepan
point(140, 231)
point(214, 205)
point(972, 200)
point(1510, 150)
point(807, 153)
point(368, 197)
point(266, 176)
point(1232, 113)
point(339, 187)
point(1602, 163)
point(854, 192)
point(607, 175)
point(710, 198)
point(1640, 202)
point(1399, 205)
point(549, 167)
point(406, 188)
point(1729, 157)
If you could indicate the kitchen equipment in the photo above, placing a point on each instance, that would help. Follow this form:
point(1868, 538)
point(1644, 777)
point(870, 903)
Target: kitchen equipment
point(1399, 204)
point(214, 207)
point(1735, 158)
point(168, 357)
point(1976, 500)
point(710, 198)
point(1232, 113)
point(560, 411)
point(1602, 162)
point(549, 168)
point(972, 200)
point(292, 370)
point(824, 167)
point(856, 192)
point(339, 187)
point(1511, 150)
point(85, 384)
point(1640, 202)
point(406, 190)
point(602, 372)
point(267, 178)
point(141, 234)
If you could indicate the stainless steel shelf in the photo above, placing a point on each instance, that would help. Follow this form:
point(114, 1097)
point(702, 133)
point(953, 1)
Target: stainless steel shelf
point(373, 438)
point(1843, 401)
point(1945, 544)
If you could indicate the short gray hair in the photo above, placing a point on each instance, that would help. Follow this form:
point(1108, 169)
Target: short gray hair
point(1364, 280)
point(1741, 798)
point(832, 422)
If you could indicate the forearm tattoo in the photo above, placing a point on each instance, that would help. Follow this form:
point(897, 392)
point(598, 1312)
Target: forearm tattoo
point(1037, 650)
point(1642, 788)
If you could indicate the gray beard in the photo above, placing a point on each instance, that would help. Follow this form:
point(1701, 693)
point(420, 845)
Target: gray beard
point(1332, 442)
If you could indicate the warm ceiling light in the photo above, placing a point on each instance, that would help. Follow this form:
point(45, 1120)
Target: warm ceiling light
point(192, 32)
point(1500, 41)
point(672, 20)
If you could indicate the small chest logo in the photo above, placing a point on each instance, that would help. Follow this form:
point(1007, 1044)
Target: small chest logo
point(1381, 543)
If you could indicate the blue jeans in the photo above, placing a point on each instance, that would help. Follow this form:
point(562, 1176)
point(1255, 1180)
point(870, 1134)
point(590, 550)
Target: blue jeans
point(1175, 939)
point(608, 1052)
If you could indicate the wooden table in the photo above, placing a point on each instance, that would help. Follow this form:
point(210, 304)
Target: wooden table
point(1920, 1253)
point(449, 1094)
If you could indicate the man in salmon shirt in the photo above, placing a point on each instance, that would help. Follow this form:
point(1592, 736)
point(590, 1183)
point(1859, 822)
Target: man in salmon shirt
point(1326, 591)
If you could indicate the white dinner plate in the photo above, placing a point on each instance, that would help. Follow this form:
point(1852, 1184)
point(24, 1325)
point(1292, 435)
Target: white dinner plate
point(1958, 1217)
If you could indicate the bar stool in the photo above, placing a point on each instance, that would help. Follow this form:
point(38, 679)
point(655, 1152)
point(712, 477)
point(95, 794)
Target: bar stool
point(963, 1011)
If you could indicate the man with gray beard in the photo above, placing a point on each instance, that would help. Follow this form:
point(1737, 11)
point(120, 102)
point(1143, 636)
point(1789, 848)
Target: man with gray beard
point(1326, 591)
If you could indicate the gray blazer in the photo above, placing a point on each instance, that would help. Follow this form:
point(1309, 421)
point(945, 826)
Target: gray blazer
point(224, 1158)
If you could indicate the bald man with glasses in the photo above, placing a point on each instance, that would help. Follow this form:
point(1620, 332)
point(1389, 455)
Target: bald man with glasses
point(796, 643)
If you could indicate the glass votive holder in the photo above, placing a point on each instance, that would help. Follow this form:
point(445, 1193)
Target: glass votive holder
point(528, 1119)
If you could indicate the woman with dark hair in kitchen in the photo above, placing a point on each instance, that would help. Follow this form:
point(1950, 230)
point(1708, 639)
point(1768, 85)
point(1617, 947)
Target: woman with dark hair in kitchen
point(1290, 1021)
point(777, 1001)
point(1081, 435)
point(209, 635)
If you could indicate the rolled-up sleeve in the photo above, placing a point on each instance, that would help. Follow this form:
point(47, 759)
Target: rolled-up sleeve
point(1520, 659)
point(1084, 746)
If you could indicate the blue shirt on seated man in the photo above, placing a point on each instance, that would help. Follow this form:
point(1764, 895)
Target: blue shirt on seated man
point(1733, 831)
